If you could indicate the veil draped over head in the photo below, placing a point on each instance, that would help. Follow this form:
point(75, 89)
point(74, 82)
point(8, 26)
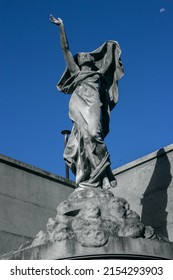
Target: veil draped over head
point(114, 72)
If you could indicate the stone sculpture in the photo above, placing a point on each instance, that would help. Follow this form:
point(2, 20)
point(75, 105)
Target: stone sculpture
point(91, 217)
point(92, 79)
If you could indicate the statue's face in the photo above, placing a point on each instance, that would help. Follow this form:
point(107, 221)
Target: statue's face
point(85, 58)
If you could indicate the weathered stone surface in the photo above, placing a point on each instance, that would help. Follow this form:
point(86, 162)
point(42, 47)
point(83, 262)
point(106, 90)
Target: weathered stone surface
point(28, 197)
point(115, 248)
point(93, 223)
point(91, 216)
point(147, 184)
point(28, 192)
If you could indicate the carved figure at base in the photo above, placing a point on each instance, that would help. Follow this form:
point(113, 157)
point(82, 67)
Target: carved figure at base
point(92, 80)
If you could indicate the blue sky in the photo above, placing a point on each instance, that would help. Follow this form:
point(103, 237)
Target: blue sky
point(33, 112)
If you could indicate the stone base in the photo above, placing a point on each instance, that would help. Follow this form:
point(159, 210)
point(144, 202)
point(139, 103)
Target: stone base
point(93, 223)
point(116, 248)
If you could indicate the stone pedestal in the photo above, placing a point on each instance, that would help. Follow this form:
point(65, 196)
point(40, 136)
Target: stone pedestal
point(116, 248)
point(93, 223)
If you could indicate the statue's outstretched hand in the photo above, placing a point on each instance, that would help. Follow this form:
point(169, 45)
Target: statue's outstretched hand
point(57, 21)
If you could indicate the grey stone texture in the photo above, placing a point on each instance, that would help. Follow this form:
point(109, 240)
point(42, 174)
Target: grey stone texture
point(91, 216)
point(28, 197)
point(116, 248)
point(147, 184)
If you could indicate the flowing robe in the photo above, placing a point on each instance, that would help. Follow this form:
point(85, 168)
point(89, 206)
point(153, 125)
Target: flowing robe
point(94, 95)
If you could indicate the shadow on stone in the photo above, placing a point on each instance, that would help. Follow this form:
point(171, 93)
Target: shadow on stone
point(155, 198)
point(93, 222)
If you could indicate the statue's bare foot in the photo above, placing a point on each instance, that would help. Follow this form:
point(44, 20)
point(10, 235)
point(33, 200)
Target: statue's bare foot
point(113, 183)
point(105, 183)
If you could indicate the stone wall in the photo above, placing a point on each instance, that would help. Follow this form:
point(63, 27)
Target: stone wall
point(28, 197)
point(147, 184)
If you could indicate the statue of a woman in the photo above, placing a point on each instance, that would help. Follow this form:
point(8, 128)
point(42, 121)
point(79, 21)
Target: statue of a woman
point(92, 79)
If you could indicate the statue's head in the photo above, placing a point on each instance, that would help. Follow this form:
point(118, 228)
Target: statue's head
point(85, 58)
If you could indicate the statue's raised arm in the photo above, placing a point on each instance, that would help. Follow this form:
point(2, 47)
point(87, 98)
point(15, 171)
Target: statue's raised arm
point(71, 65)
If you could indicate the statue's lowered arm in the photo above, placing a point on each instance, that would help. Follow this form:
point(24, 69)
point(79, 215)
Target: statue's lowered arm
point(71, 65)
